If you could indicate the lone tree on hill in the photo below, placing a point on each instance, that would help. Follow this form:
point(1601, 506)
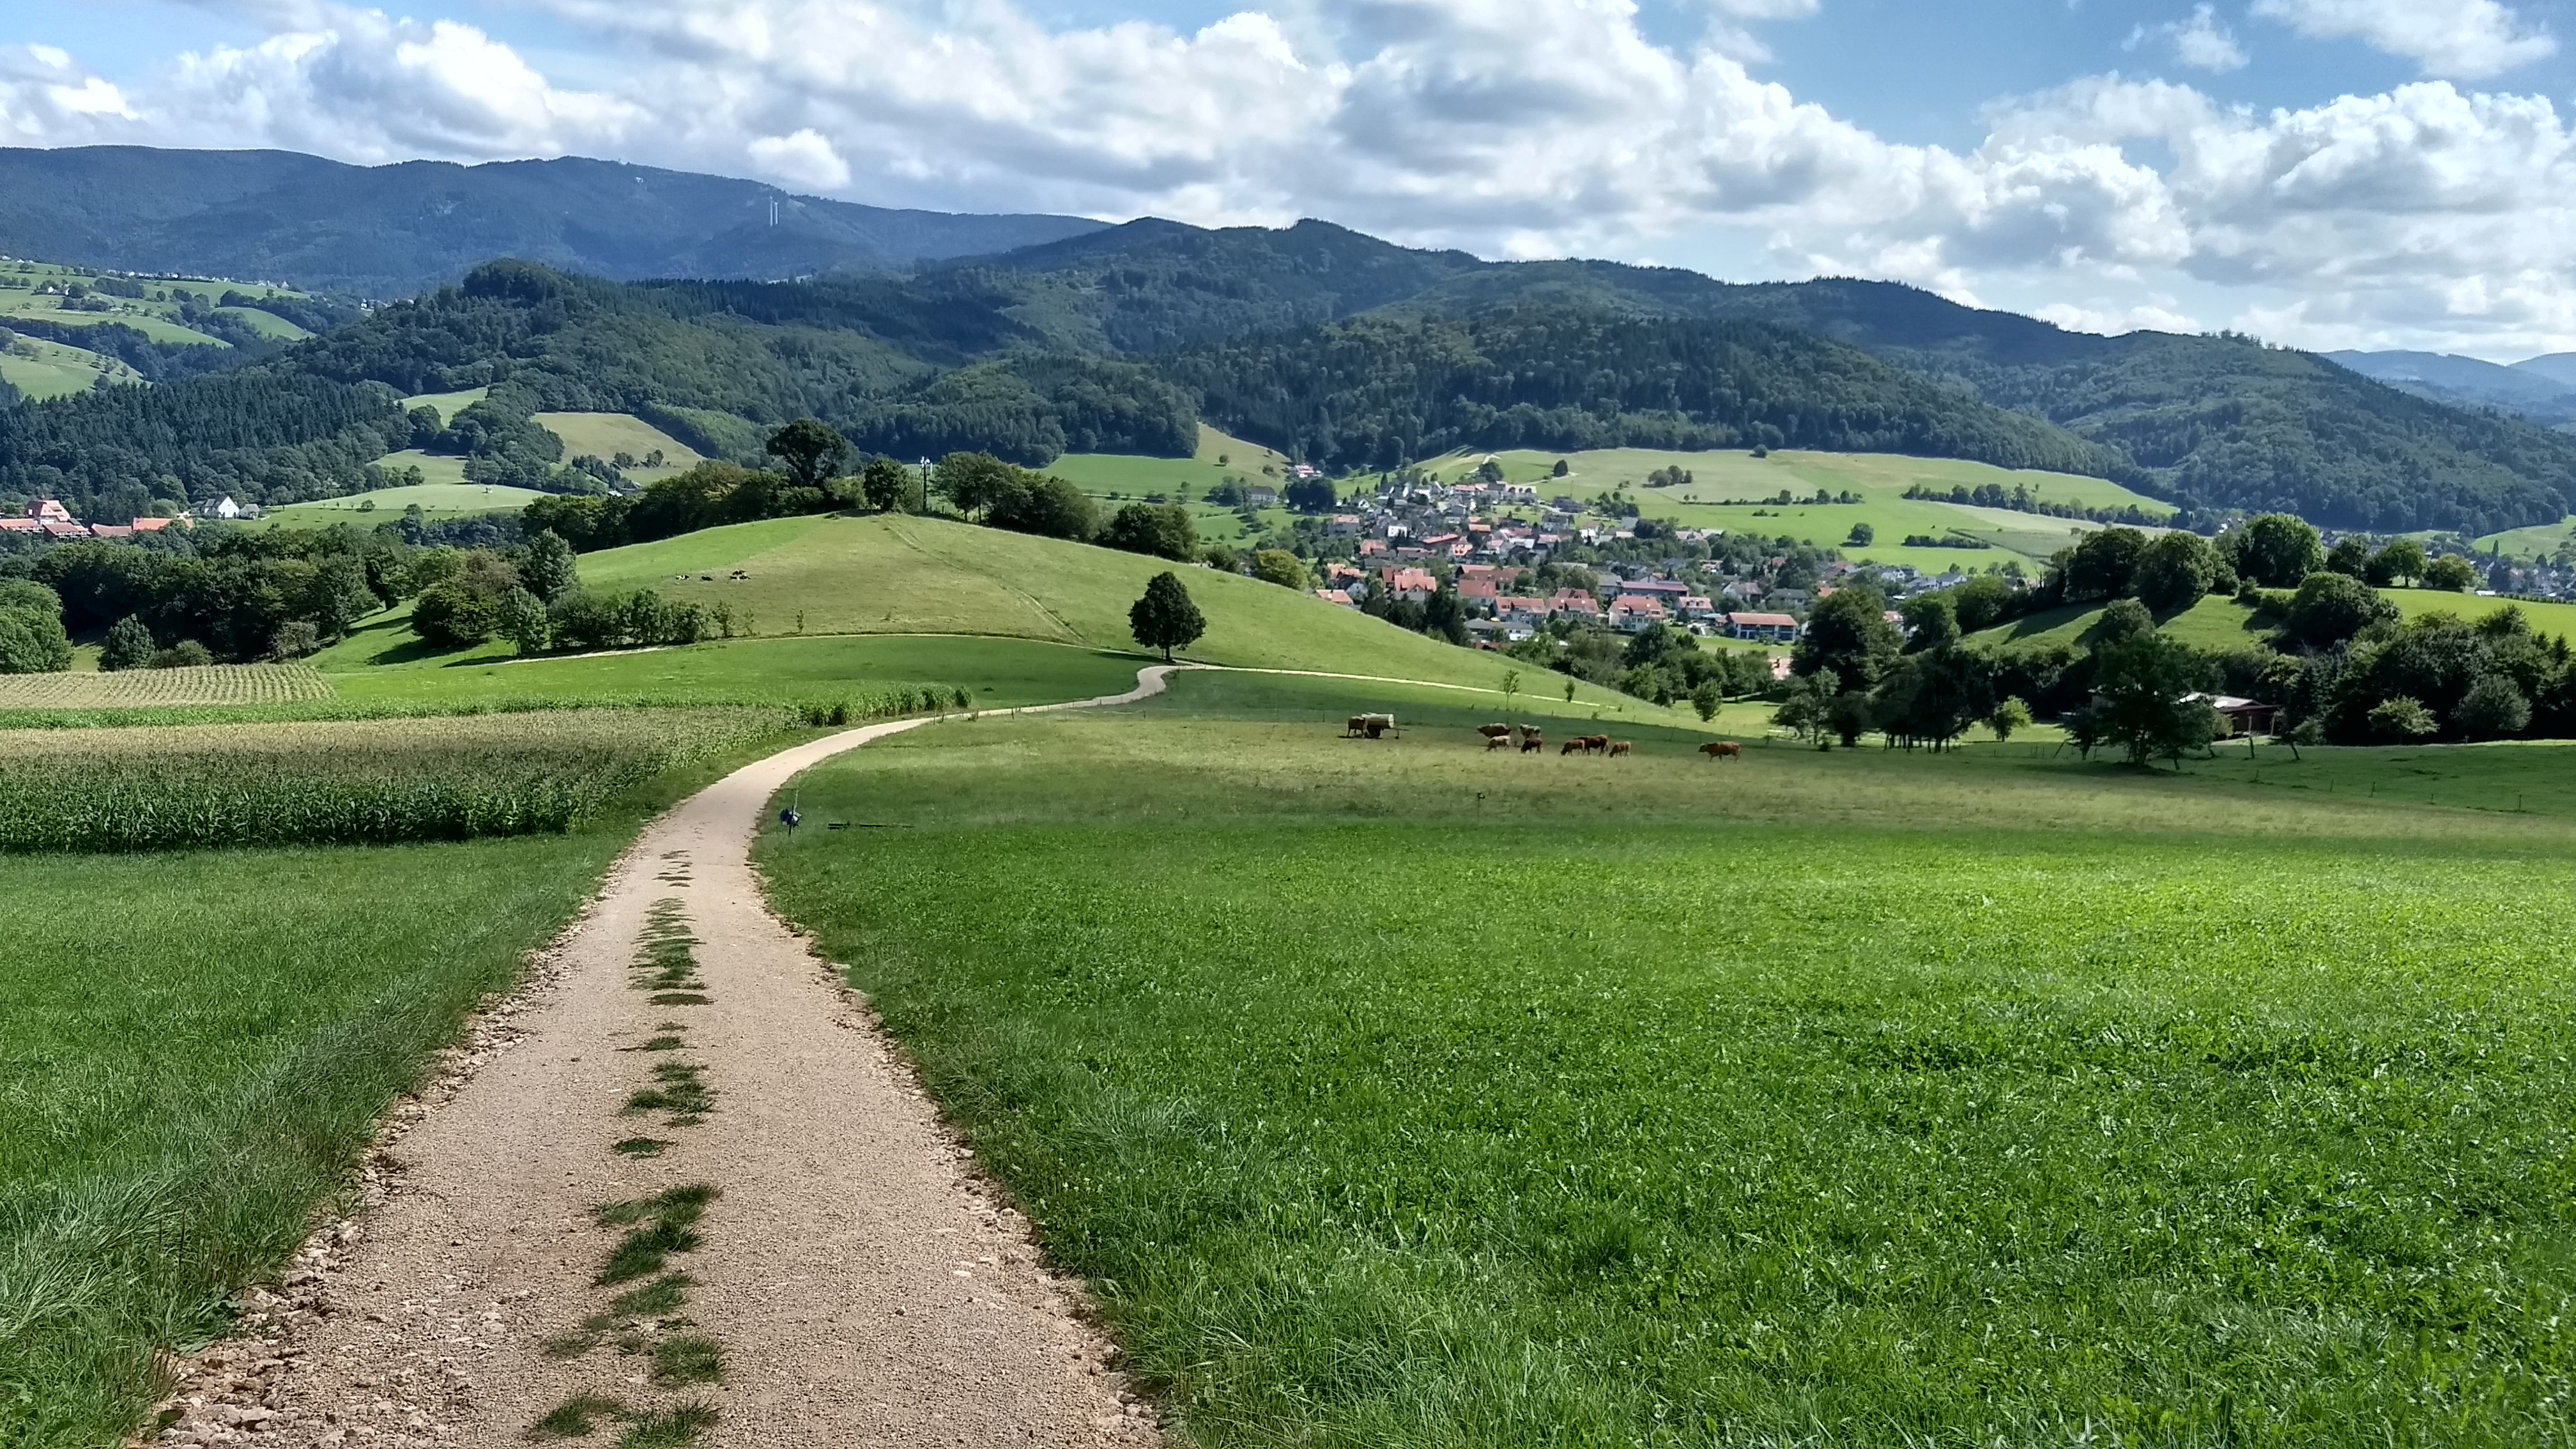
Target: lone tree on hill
point(811, 451)
point(129, 644)
point(1165, 618)
point(884, 484)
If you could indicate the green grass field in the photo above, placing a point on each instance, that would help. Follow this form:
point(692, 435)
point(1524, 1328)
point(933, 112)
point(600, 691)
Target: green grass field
point(1399, 1094)
point(900, 575)
point(1003, 673)
point(442, 499)
point(1118, 478)
point(447, 404)
point(2222, 624)
point(266, 324)
point(1731, 490)
point(2541, 541)
point(605, 435)
point(42, 369)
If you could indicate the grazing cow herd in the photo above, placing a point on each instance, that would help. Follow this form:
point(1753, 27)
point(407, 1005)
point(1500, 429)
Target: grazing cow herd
point(1531, 740)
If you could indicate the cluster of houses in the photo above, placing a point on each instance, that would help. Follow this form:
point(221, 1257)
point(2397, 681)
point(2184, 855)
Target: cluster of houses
point(1416, 533)
point(52, 520)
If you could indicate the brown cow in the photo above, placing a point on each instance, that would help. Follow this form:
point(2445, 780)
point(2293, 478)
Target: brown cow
point(1618, 748)
point(1357, 726)
point(1722, 750)
point(1530, 742)
point(1595, 744)
point(1571, 746)
point(1529, 733)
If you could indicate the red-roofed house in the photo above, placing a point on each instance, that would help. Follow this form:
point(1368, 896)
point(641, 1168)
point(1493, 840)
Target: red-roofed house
point(1631, 613)
point(1574, 601)
point(1410, 584)
point(152, 525)
point(1336, 596)
point(46, 510)
point(1769, 628)
point(1480, 596)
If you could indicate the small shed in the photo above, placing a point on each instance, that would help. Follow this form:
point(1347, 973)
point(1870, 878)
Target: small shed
point(2243, 716)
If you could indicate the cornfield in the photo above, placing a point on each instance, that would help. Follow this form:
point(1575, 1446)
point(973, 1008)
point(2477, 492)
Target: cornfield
point(149, 688)
point(373, 782)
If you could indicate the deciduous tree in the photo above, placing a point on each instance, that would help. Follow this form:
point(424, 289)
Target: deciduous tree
point(1166, 618)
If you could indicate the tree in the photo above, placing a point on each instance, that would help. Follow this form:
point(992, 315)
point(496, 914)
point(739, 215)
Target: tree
point(2330, 608)
point(522, 619)
point(1166, 618)
point(2350, 555)
point(2175, 571)
point(1861, 536)
point(885, 483)
point(2278, 551)
point(129, 644)
point(1804, 710)
point(294, 639)
point(2400, 563)
point(1848, 633)
point(2401, 720)
point(1311, 495)
point(1708, 698)
point(1931, 698)
point(2122, 621)
point(2010, 718)
point(974, 481)
point(2102, 564)
point(2140, 686)
point(549, 571)
point(1848, 715)
point(1049, 507)
point(1933, 620)
point(2493, 709)
point(1164, 530)
point(1279, 566)
point(32, 640)
point(1443, 617)
point(812, 452)
point(1560, 470)
point(2451, 574)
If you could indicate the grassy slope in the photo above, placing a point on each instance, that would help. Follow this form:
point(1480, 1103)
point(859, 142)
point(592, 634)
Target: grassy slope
point(447, 404)
point(56, 369)
point(2222, 624)
point(1119, 478)
point(441, 499)
point(266, 324)
point(2212, 1113)
point(605, 435)
point(2539, 541)
point(921, 576)
point(1728, 490)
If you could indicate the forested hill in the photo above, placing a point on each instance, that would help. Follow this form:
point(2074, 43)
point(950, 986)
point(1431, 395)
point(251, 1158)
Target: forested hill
point(1377, 391)
point(2218, 421)
point(395, 231)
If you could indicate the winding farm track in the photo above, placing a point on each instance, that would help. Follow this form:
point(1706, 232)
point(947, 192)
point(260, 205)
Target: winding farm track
point(864, 1287)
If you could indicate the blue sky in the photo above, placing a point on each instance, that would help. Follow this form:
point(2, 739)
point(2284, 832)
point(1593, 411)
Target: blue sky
point(2321, 172)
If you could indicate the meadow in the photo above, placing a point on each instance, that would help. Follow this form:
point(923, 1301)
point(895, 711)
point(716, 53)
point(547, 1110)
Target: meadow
point(43, 369)
point(345, 782)
point(2537, 542)
point(1734, 491)
point(605, 435)
point(1396, 1093)
point(2222, 624)
point(1117, 479)
point(156, 318)
point(452, 497)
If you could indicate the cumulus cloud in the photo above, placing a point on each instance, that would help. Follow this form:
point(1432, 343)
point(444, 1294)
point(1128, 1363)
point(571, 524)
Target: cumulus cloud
point(1511, 127)
point(2458, 39)
point(2201, 42)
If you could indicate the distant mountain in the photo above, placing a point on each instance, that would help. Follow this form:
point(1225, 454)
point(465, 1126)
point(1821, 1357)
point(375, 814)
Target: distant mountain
point(2211, 422)
point(394, 231)
point(2527, 389)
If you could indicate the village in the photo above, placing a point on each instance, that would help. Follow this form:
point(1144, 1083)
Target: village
point(1413, 537)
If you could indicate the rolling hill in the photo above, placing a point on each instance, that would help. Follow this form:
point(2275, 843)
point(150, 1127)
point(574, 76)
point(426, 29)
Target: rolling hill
point(392, 231)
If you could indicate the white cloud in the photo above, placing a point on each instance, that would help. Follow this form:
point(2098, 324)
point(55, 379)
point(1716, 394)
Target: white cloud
point(805, 159)
point(1511, 127)
point(2201, 42)
point(2459, 39)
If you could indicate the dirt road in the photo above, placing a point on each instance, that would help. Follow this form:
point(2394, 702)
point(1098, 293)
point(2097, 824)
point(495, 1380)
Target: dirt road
point(792, 1240)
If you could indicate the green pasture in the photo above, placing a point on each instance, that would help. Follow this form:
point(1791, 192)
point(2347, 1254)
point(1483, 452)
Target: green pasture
point(145, 317)
point(1118, 478)
point(605, 435)
point(266, 324)
point(902, 575)
point(1002, 673)
point(443, 499)
point(42, 369)
point(447, 404)
point(2222, 624)
point(2540, 541)
point(1851, 1098)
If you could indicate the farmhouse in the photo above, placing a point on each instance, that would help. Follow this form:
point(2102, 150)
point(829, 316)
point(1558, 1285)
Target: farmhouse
point(2243, 716)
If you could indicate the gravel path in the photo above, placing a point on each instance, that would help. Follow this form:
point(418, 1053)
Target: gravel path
point(851, 1277)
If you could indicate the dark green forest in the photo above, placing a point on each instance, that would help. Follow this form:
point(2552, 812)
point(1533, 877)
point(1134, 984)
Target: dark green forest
point(1377, 392)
